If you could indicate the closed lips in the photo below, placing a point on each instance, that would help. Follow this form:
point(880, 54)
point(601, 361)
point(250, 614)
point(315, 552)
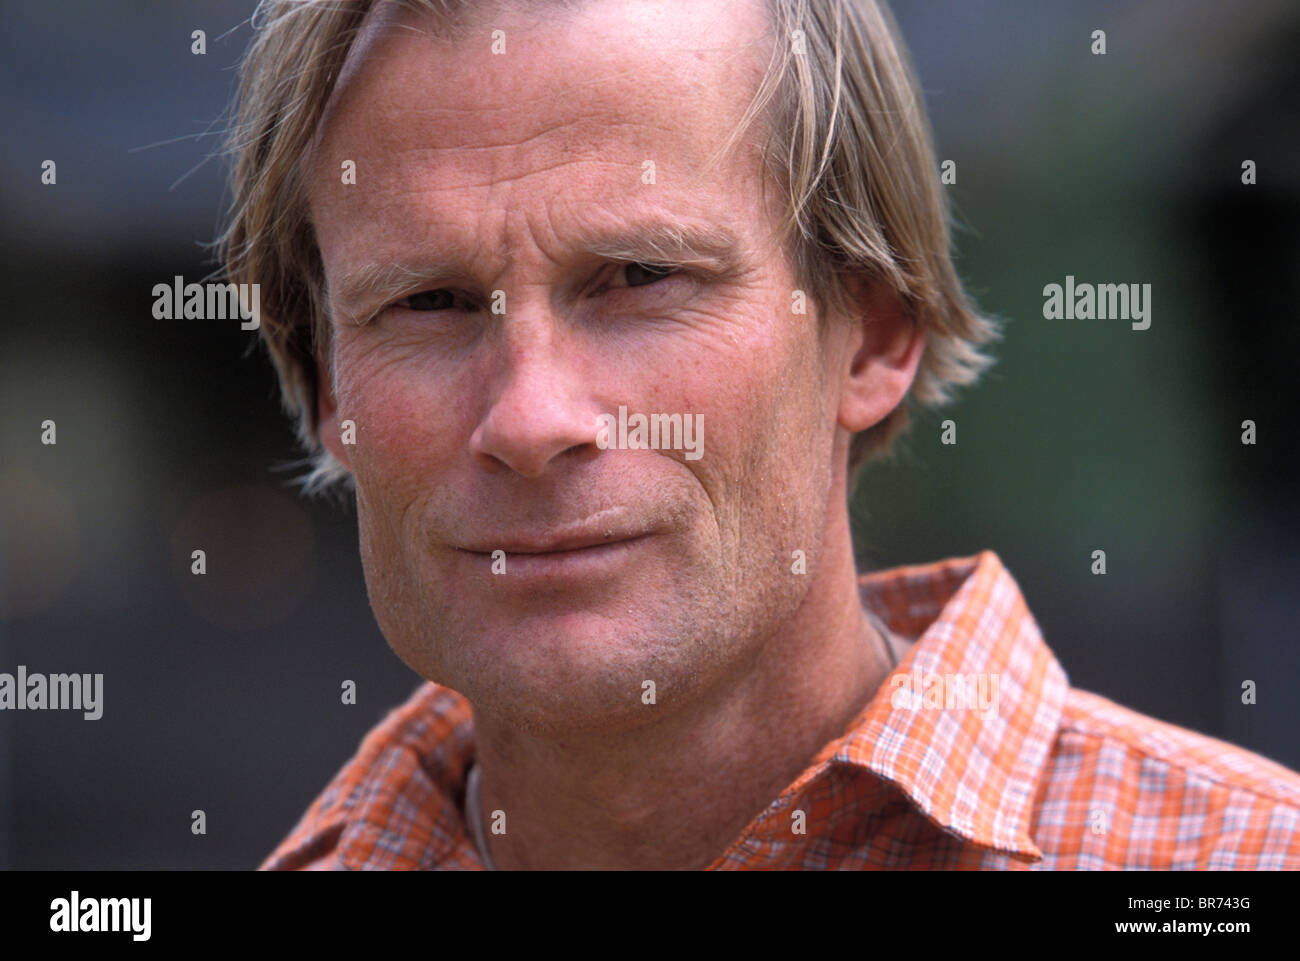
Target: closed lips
point(555, 546)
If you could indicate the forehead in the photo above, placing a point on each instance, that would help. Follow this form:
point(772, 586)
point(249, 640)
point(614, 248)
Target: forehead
point(573, 113)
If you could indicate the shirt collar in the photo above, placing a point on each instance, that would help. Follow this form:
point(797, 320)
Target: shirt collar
point(971, 765)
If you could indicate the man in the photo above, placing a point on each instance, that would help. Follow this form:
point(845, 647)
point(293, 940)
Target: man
point(599, 308)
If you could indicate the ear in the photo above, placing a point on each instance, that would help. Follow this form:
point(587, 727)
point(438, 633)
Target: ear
point(884, 352)
point(327, 415)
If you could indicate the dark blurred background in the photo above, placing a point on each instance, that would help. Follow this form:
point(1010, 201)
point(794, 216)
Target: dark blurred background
point(221, 693)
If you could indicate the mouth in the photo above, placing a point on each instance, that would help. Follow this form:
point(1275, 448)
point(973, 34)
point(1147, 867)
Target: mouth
point(553, 559)
point(553, 543)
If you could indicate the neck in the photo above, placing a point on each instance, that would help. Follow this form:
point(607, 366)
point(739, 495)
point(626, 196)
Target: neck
point(676, 794)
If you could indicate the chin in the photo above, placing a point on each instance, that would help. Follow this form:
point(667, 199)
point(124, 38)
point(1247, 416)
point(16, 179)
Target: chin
point(550, 675)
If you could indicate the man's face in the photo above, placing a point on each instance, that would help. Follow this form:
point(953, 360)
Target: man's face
point(476, 431)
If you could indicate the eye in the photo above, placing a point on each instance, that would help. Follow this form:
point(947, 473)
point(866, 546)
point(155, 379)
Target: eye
point(428, 300)
point(641, 275)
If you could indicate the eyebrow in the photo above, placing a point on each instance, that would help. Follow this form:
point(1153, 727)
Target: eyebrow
point(712, 249)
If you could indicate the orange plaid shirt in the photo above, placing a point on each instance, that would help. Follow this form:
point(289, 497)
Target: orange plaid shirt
point(942, 769)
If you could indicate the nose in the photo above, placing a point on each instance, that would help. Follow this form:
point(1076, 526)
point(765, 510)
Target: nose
point(544, 406)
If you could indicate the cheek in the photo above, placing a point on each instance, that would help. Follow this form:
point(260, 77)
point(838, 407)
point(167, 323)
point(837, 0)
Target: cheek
point(765, 436)
point(766, 395)
point(401, 417)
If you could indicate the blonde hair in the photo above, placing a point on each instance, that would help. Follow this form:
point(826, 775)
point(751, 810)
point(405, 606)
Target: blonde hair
point(847, 140)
